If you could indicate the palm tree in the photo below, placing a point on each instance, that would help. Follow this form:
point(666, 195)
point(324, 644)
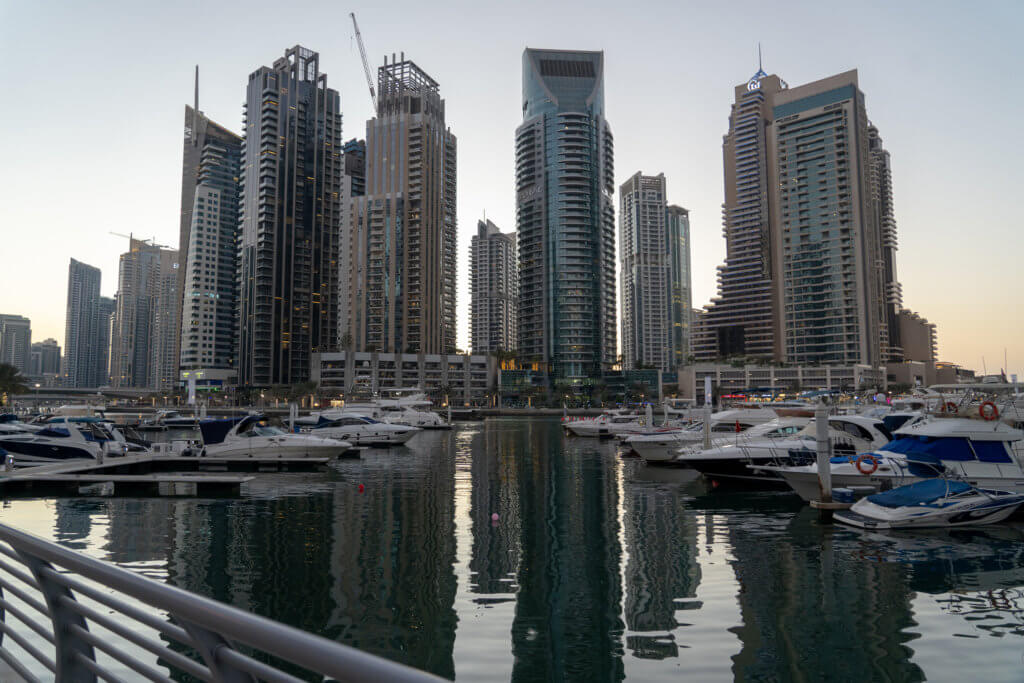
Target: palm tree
point(11, 382)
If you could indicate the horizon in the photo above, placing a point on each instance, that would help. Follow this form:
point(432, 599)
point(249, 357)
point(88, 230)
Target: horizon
point(78, 172)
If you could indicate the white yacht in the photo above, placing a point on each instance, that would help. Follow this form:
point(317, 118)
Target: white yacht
point(169, 419)
point(363, 431)
point(61, 442)
point(411, 408)
point(731, 462)
point(254, 436)
point(988, 455)
point(610, 423)
point(663, 446)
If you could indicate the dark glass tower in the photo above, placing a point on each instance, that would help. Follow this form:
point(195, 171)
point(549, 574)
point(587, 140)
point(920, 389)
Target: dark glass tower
point(565, 217)
point(82, 328)
point(292, 170)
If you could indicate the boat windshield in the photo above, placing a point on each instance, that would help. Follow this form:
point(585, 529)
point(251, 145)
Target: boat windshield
point(266, 430)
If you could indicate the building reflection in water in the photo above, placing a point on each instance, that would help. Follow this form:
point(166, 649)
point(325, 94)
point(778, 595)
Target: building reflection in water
point(567, 623)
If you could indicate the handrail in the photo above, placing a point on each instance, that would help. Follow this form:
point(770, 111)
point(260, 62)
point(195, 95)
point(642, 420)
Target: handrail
point(199, 637)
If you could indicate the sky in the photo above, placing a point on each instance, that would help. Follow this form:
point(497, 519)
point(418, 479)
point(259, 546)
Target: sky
point(95, 93)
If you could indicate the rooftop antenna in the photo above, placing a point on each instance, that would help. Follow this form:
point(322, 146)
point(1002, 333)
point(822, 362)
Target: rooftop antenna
point(195, 112)
point(759, 67)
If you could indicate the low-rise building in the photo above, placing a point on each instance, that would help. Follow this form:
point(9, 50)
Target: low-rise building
point(728, 378)
point(466, 379)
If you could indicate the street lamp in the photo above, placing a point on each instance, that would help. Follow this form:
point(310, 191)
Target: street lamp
point(37, 396)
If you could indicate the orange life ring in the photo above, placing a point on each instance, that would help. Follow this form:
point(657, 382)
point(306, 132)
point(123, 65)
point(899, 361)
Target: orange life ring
point(950, 407)
point(988, 411)
point(864, 458)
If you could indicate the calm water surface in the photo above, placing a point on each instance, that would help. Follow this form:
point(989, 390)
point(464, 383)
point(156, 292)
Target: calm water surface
point(598, 569)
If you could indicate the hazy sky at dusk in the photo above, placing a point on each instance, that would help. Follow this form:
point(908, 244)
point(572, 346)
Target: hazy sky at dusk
point(93, 116)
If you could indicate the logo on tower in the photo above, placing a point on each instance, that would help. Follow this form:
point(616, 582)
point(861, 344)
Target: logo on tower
point(755, 81)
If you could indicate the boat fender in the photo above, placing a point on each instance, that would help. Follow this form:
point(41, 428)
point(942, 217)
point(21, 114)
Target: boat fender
point(950, 407)
point(988, 411)
point(870, 469)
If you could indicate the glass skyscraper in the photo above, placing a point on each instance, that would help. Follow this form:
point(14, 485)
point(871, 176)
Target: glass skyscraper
point(565, 215)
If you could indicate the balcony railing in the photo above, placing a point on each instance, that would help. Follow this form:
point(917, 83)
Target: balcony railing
point(72, 618)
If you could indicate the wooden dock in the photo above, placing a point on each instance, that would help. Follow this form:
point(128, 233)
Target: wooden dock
point(149, 475)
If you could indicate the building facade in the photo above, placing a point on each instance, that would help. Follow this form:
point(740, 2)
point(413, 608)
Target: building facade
point(565, 217)
point(83, 356)
point(145, 322)
point(828, 247)
point(764, 380)
point(403, 244)
point(655, 271)
point(740, 321)
point(680, 311)
point(493, 289)
point(884, 214)
point(16, 342)
point(353, 185)
point(44, 362)
point(290, 220)
point(465, 379)
point(920, 340)
point(107, 308)
point(207, 342)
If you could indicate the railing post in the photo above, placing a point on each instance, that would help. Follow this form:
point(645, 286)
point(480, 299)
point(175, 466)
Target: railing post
point(67, 644)
point(207, 643)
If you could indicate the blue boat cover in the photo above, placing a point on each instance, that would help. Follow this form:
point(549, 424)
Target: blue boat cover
point(214, 431)
point(918, 493)
point(948, 448)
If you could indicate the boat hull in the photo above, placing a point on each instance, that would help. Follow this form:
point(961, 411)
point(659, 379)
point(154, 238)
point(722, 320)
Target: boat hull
point(30, 453)
point(875, 517)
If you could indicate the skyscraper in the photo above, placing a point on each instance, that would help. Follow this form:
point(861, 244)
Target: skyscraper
point(45, 360)
point(680, 311)
point(403, 242)
point(828, 245)
point(882, 205)
point(740, 321)
point(290, 220)
point(106, 320)
point(82, 327)
point(142, 338)
point(493, 289)
point(16, 342)
point(353, 185)
point(565, 217)
point(208, 279)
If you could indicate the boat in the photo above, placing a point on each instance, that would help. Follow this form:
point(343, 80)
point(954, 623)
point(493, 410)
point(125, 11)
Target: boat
point(60, 442)
point(363, 431)
point(168, 419)
point(929, 504)
point(989, 455)
point(606, 425)
point(663, 446)
point(255, 436)
point(11, 424)
point(739, 462)
point(411, 408)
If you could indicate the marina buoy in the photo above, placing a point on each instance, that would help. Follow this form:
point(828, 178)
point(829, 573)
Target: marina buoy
point(494, 516)
point(361, 488)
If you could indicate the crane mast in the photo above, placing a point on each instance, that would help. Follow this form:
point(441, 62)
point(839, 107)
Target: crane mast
point(366, 65)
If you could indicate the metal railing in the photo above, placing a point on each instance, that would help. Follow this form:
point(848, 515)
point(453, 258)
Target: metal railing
point(79, 619)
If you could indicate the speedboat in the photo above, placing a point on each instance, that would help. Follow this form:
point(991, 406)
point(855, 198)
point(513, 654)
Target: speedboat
point(989, 455)
point(11, 424)
point(254, 436)
point(663, 446)
point(364, 431)
point(732, 462)
point(608, 424)
point(61, 442)
point(168, 419)
point(931, 503)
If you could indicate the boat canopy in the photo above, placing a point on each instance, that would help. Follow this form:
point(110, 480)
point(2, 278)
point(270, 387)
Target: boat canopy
point(930, 450)
point(214, 431)
point(918, 493)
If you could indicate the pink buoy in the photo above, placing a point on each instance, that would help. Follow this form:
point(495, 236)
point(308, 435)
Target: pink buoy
point(494, 516)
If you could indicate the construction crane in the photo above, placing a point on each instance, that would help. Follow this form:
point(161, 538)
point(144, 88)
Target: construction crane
point(366, 65)
point(151, 242)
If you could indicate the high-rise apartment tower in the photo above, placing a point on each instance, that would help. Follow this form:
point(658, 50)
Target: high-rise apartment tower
point(565, 217)
point(493, 289)
point(83, 356)
point(403, 242)
point(290, 220)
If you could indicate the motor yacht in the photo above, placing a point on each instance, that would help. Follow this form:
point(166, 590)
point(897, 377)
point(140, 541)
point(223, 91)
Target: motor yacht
point(411, 408)
point(254, 436)
point(606, 425)
point(363, 431)
point(731, 462)
point(663, 446)
point(989, 455)
point(931, 503)
point(61, 442)
point(169, 419)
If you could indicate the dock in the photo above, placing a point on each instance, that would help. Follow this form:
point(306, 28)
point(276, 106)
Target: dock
point(150, 475)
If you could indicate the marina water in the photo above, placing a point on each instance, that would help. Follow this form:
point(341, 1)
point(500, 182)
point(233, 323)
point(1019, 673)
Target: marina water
point(596, 568)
